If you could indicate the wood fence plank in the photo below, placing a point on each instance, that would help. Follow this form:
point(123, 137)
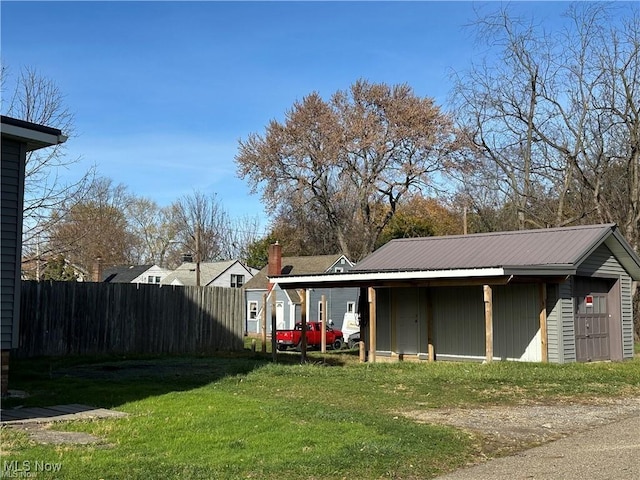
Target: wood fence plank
point(62, 318)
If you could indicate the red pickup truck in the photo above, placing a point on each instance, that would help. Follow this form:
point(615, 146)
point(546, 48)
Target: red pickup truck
point(292, 338)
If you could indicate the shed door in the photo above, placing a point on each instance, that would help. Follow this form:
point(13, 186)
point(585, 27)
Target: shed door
point(406, 306)
point(592, 327)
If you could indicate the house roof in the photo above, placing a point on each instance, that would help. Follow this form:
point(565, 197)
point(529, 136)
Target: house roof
point(185, 274)
point(305, 265)
point(123, 273)
point(544, 252)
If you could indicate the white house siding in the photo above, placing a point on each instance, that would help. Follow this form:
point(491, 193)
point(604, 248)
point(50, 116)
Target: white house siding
point(602, 263)
point(154, 272)
point(224, 280)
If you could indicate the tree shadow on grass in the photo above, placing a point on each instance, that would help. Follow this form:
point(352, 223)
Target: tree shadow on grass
point(110, 381)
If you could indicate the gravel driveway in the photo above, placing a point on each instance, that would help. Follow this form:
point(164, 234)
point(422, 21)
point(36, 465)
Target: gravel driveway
point(609, 452)
point(595, 441)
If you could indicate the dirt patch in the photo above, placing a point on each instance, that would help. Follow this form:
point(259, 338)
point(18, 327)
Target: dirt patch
point(508, 429)
point(42, 433)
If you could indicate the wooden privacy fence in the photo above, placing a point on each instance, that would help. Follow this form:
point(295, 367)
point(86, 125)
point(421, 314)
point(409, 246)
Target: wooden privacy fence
point(69, 318)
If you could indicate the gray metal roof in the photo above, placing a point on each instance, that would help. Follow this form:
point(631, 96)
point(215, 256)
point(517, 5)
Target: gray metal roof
point(553, 247)
point(545, 253)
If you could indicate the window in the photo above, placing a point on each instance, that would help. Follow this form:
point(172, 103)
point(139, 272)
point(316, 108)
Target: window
point(320, 311)
point(351, 307)
point(237, 281)
point(157, 279)
point(150, 279)
point(253, 310)
point(338, 270)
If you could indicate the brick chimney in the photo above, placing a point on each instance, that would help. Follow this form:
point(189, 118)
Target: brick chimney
point(275, 261)
point(97, 270)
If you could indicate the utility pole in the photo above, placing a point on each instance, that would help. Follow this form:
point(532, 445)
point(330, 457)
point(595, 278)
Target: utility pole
point(464, 220)
point(197, 252)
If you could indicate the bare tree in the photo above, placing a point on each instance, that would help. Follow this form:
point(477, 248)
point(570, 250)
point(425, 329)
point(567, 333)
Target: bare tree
point(239, 235)
point(555, 117)
point(201, 224)
point(153, 230)
point(350, 159)
point(37, 99)
point(94, 228)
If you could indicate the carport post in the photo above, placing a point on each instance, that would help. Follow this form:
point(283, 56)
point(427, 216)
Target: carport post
point(303, 321)
point(372, 325)
point(430, 349)
point(543, 323)
point(488, 322)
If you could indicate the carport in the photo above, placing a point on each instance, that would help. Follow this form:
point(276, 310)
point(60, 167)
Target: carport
point(559, 295)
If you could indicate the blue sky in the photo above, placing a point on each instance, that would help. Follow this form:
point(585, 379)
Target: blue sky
point(163, 91)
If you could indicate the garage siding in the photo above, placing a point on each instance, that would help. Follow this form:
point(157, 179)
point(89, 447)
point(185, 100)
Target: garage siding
point(516, 323)
point(383, 320)
point(554, 345)
point(567, 325)
point(11, 192)
point(458, 322)
point(602, 263)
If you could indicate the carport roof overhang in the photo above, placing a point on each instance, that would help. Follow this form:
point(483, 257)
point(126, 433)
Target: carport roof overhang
point(453, 277)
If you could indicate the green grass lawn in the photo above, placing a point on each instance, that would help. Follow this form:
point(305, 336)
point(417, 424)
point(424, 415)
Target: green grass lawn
point(240, 416)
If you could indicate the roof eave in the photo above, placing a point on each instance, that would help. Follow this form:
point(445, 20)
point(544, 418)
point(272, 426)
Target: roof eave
point(541, 270)
point(362, 277)
point(33, 135)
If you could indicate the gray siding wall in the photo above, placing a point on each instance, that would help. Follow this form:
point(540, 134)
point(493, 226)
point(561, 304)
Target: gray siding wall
point(253, 326)
point(567, 347)
point(554, 327)
point(602, 263)
point(11, 191)
point(516, 322)
point(383, 319)
point(337, 299)
point(458, 321)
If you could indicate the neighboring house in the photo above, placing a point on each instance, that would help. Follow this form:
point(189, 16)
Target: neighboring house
point(559, 295)
point(18, 138)
point(36, 268)
point(288, 302)
point(150, 274)
point(229, 274)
